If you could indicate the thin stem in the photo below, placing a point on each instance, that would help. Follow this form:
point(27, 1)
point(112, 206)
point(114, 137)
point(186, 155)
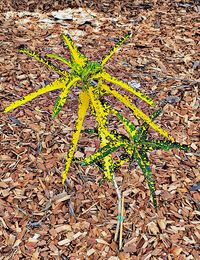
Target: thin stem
point(119, 206)
point(121, 222)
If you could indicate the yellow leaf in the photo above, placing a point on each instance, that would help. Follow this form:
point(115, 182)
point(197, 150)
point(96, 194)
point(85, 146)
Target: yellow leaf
point(102, 117)
point(82, 109)
point(125, 86)
point(78, 57)
point(57, 84)
point(63, 96)
point(46, 62)
point(114, 49)
point(137, 112)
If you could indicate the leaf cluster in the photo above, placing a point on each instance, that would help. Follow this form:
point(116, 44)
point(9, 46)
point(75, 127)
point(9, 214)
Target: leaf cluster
point(136, 147)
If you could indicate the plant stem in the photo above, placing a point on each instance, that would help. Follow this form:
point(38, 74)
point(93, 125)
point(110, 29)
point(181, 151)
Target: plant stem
point(121, 221)
point(119, 207)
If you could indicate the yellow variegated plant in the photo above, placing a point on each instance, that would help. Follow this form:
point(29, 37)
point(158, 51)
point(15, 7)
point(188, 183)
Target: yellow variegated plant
point(81, 73)
point(136, 146)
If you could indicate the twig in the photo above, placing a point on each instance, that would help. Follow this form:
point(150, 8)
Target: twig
point(121, 221)
point(119, 207)
point(88, 208)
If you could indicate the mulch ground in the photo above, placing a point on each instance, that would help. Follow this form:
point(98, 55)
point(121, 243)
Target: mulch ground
point(41, 219)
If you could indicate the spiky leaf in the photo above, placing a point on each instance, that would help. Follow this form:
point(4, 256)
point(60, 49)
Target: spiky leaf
point(57, 84)
point(101, 153)
point(142, 131)
point(163, 145)
point(63, 96)
point(137, 112)
point(57, 57)
point(130, 128)
point(77, 57)
point(143, 162)
point(82, 109)
point(44, 61)
point(125, 86)
point(115, 48)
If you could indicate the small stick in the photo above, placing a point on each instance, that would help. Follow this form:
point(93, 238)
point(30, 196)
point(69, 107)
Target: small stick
point(88, 208)
point(121, 221)
point(119, 207)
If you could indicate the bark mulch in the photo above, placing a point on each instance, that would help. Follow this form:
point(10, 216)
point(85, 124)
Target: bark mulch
point(41, 219)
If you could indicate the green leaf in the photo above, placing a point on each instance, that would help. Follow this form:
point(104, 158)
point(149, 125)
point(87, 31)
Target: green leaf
point(60, 58)
point(101, 153)
point(143, 162)
point(164, 145)
point(50, 65)
point(63, 96)
point(130, 128)
point(142, 131)
point(114, 49)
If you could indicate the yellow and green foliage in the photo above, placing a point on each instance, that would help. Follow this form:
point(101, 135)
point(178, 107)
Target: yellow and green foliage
point(81, 73)
point(136, 147)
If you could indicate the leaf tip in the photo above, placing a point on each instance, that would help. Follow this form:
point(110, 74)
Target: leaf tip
point(22, 50)
point(53, 116)
point(129, 34)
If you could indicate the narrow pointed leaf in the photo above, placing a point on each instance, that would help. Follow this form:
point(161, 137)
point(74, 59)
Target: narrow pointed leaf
point(45, 61)
point(82, 109)
point(137, 112)
point(164, 145)
point(125, 86)
point(142, 131)
point(101, 114)
point(63, 96)
point(130, 128)
point(143, 162)
point(114, 49)
point(101, 153)
point(76, 55)
point(57, 84)
point(57, 57)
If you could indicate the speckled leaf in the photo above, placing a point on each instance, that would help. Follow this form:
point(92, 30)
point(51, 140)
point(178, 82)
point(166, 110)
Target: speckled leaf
point(142, 131)
point(115, 48)
point(82, 109)
point(137, 112)
point(164, 145)
point(75, 54)
point(45, 61)
point(57, 57)
point(57, 84)
point(125, 86)
point(143, 162)
point(63, 96)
